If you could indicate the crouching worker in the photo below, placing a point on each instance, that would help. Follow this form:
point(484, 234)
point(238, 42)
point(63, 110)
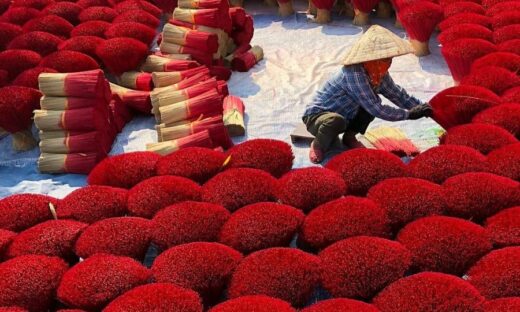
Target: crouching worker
point(350, 101)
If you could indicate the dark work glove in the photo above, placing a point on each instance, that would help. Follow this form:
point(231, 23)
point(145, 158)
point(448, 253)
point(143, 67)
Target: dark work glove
point(420, 111)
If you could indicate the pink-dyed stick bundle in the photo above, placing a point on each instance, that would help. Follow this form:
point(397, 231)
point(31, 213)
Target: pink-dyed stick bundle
point(234, 115)
point(68, 163)
point(154, 63)
point(87, 84)
point(200, 40)
point(201, 139)
point(163, 79)
point(206, 103)
point(203, 57)
point(206, 17)
point(138, 100)
point(137, 81)
point(82, 119)
point(419, 19)
point(167, 96)
point(246, 61)
point(87, 142)
point(217, 131)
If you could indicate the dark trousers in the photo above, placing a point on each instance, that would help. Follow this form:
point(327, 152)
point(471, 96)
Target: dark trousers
point(326, 126)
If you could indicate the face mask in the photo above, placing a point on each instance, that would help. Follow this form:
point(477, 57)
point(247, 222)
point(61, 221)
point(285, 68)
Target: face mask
point(377, 70)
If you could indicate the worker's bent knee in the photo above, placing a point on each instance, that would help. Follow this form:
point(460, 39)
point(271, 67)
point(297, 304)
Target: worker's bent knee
point(336, 122)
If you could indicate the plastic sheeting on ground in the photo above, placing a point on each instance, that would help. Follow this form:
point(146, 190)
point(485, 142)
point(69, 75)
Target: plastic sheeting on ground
point(299, 57)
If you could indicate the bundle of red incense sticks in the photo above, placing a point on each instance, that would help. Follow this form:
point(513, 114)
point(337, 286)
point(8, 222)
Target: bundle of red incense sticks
point(245, 61)
point(234, 110)
point(199, 28)
point(76, 121)
point(214, 125)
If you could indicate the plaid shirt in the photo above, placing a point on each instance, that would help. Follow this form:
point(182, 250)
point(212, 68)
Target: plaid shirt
point(350, 88)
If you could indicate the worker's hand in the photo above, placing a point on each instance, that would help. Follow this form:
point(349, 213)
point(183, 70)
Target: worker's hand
point(420, 111)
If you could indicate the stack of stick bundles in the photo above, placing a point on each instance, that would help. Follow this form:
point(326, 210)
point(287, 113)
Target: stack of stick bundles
point(134, 87)
point(189, 113)
point(199, 28)
point(243, 57)
point(75, 121)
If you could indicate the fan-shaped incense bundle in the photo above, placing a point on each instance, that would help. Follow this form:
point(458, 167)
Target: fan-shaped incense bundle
point(458, 105)
point(169, 96)
point(460, 55)
point(323, 10)
point(87, 84)
point(505, 19)
point(82, 119)
point(362, 9)
point(68, 103)
point(201, 139)
point(463, 7)
point(81, 163)
point(163, 79)
point(419, 20)
point(155, 63)
point(465, 31)
point(234, 115)
point(138, 100)
point(15, 62)
point(183, 36)
point(137, 81)
point(464, 18)
point(512, 46)
point(506, 33)
point(198, 55)
point(206, 17)
point(246, 61)
point(16, 106)
point(206, 103)
point(88, 142)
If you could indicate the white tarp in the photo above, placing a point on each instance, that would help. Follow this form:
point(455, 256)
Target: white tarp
point(299, 56)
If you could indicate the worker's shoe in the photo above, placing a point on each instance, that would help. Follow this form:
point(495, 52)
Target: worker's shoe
point(350, 141)
point(315, 154)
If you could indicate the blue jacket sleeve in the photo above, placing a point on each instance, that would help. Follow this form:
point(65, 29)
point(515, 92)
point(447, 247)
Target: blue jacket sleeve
point(396, 94)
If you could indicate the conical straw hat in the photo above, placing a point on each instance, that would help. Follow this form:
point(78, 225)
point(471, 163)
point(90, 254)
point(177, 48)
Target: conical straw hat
point(376, 44)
